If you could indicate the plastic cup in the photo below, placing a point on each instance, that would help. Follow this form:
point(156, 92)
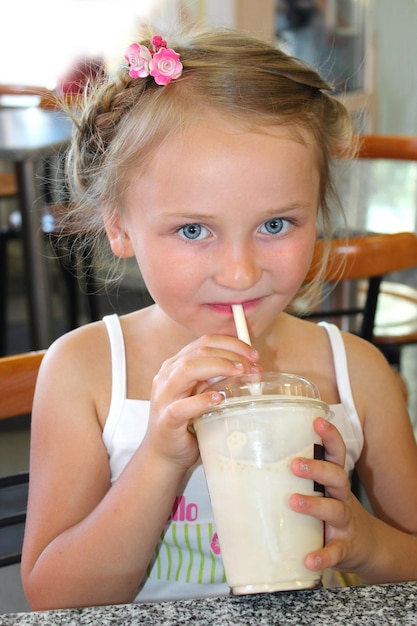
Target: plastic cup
point(247, 444)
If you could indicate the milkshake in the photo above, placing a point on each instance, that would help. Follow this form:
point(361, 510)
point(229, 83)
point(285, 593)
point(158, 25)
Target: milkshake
point(247, 445)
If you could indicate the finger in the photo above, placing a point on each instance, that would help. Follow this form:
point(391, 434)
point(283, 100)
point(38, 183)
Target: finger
point(332, 440)
point(223, 342)
point(180, 412)
point(332, 476)
point(187, 376)
point(169, 429)
point(328, 557)
point(333, 512)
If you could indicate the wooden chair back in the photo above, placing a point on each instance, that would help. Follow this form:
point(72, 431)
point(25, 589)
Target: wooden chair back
point(18, 376)
point(368, 255)
point(396, 317)
point(397, 147)
point(369, 259)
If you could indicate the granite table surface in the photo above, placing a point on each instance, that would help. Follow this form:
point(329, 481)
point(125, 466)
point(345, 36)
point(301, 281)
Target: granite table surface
point(375, 605)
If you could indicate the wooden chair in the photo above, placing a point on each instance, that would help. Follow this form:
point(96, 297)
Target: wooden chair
point(398, 302)
point(18, 375)
point(383, 312)
point(395, 147)
point(69, 258)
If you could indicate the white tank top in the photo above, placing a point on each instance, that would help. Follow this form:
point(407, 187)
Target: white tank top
point(187, 561)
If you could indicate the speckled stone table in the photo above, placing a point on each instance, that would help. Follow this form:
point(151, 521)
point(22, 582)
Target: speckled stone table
point(377, 605)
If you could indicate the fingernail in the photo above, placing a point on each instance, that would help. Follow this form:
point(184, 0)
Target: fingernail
point(238, 365)
point(303, 466)
point(324, 422)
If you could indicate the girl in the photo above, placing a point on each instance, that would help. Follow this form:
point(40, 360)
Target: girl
point(209, 162)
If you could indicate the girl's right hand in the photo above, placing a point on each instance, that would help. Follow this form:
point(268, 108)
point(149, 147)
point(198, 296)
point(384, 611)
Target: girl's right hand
point(178, 392)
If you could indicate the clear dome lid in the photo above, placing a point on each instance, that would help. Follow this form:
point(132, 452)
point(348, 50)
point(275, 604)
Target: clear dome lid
point(266, 384)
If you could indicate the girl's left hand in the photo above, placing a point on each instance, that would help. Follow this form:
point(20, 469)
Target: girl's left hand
point(346, 527)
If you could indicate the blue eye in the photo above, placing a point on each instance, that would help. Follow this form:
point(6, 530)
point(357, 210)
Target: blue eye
point(274, 226)
point(193, 231)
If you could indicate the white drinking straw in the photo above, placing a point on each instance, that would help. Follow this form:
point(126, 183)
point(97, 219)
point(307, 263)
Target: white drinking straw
point(240, 323)
point(255, 389)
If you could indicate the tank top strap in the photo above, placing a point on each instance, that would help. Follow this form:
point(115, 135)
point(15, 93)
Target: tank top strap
point(340, 365)
point(118, 371)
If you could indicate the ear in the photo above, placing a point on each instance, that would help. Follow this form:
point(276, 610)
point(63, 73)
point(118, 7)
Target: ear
point(118, 237)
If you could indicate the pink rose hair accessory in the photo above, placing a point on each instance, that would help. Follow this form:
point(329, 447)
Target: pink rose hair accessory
point(138, 58)
point(159, 61)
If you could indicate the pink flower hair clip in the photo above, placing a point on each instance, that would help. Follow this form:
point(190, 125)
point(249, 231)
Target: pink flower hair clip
point(159, 61)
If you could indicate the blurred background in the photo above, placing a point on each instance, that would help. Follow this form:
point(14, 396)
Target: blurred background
point(365, 48)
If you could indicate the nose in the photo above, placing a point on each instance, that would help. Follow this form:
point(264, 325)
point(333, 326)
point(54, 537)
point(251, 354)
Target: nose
point(237, 268)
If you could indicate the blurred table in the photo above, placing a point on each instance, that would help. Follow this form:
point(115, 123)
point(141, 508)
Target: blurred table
point(353, 606)
point(28, 135)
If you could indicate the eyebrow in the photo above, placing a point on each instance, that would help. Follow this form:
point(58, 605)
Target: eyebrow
point(271, 212)
point(187, 216)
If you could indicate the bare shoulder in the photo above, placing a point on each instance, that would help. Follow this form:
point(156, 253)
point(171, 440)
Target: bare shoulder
point(80, 349)
point(373, 381)
point(77, 368)
point(362, 354)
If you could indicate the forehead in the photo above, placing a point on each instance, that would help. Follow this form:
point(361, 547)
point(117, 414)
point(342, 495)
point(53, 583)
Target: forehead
point(210, 134)
point(224, 162)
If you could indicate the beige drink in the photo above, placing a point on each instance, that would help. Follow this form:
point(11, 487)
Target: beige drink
point(247, 447)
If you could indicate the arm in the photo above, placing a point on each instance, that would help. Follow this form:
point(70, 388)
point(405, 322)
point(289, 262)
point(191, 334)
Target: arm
point(381, 547)
point(89, 543)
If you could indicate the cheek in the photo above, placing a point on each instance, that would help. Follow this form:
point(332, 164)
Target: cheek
point(306, 259)
point(168, 280)
point(303, 253)
point(293, 264)
point(289, 270)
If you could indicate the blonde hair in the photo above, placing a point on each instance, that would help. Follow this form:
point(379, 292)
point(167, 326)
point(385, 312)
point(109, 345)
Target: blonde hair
point(122, 121)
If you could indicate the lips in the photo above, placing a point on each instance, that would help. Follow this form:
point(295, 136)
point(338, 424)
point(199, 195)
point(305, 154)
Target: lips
point(226, 309)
